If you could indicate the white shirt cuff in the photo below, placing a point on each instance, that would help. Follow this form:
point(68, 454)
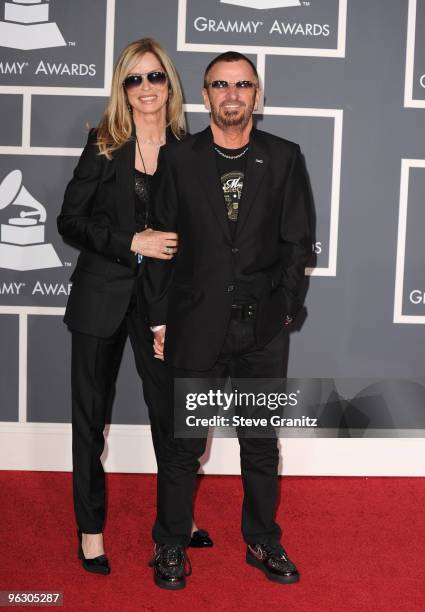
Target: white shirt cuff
point(155, 328)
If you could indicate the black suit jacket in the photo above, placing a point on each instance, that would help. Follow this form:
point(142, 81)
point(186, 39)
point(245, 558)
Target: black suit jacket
point(98, 217)
point(193, 293)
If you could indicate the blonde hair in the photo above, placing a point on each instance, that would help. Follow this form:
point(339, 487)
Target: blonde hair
point(116, 125)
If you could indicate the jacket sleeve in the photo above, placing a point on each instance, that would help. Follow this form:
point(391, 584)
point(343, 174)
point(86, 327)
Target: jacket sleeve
point(295, 233)
point(158, 272)
point(76, 223)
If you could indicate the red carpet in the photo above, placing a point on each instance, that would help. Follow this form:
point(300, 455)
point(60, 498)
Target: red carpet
point(358, 543)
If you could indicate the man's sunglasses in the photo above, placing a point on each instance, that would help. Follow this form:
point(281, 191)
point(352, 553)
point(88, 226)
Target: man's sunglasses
point(134, 80)
point(225, 84)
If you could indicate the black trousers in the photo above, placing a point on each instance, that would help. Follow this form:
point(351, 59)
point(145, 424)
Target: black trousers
point(95, 364)
point(239, 358)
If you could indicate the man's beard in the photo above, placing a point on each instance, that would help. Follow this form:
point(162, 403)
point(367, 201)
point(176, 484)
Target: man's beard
point(232, 118)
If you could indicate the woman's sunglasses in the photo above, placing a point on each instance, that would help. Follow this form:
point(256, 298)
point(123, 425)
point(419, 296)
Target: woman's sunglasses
point(155, 77)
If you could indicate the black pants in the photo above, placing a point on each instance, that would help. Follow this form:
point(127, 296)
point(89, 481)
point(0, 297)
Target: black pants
point(239, 358)
point(95, 364)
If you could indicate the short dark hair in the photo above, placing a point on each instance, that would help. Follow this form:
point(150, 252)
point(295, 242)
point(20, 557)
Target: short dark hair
point(229, 56)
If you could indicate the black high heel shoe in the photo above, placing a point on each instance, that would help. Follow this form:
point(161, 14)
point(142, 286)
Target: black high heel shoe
point(98, 565)
point(200, 539)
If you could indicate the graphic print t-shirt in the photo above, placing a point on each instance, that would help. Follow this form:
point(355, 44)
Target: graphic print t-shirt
point(232, 175)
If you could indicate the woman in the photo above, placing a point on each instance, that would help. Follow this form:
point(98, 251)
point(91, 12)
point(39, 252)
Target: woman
point(105, 214)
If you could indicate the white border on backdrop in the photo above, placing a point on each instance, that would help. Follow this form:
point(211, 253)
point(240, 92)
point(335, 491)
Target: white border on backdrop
point(182, 45)
point(337, 116)
point(409, 101)
point(399, 317)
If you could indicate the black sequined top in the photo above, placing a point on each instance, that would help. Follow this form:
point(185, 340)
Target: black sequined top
point(142, 187)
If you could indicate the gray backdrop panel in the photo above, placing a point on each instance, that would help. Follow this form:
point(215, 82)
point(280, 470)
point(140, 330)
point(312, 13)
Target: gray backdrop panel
point(44, 178)
point(49, 361)
point(419, 58)
point(414, 294)
point(9, 382)
point(10, 120)
point(282, 27)
point(64, 119)
point(79, 62)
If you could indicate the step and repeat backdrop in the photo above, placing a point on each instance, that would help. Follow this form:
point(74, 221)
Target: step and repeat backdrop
point(343, 78)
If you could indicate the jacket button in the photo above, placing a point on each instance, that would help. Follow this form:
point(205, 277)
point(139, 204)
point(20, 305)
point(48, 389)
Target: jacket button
point(230, 288)
point(235, 250)
point(118, 260)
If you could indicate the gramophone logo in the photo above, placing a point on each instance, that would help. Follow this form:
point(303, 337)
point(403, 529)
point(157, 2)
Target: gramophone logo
point(263, 4)
point(26, 26)
point(22, 245)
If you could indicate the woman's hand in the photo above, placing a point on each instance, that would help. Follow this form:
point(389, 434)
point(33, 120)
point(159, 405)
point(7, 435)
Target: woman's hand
point(150, 243)
point(158, 343)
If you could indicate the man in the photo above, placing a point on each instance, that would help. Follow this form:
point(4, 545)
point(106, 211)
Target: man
point(239, 200)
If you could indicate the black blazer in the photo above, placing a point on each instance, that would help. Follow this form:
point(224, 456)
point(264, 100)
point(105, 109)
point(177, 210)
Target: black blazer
point(98, 217)
point(193, 293)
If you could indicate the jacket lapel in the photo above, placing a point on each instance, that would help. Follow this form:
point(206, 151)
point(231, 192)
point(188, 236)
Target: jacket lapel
point(206, 172)
point(256, 166)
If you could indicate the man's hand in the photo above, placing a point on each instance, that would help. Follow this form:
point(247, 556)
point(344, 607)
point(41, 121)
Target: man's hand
point(158, 343)
point(150, 243)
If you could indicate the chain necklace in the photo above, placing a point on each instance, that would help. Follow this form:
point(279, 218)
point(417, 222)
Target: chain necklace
point(148, 141)
point(140, 153)
point(147, 185)
point(230, 156)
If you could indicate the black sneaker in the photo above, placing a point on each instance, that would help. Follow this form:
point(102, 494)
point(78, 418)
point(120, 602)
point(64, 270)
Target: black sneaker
point(170, 565)
point(271, 558)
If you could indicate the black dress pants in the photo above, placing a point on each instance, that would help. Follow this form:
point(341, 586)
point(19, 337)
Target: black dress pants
point(95, 364)
point(239, 358)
